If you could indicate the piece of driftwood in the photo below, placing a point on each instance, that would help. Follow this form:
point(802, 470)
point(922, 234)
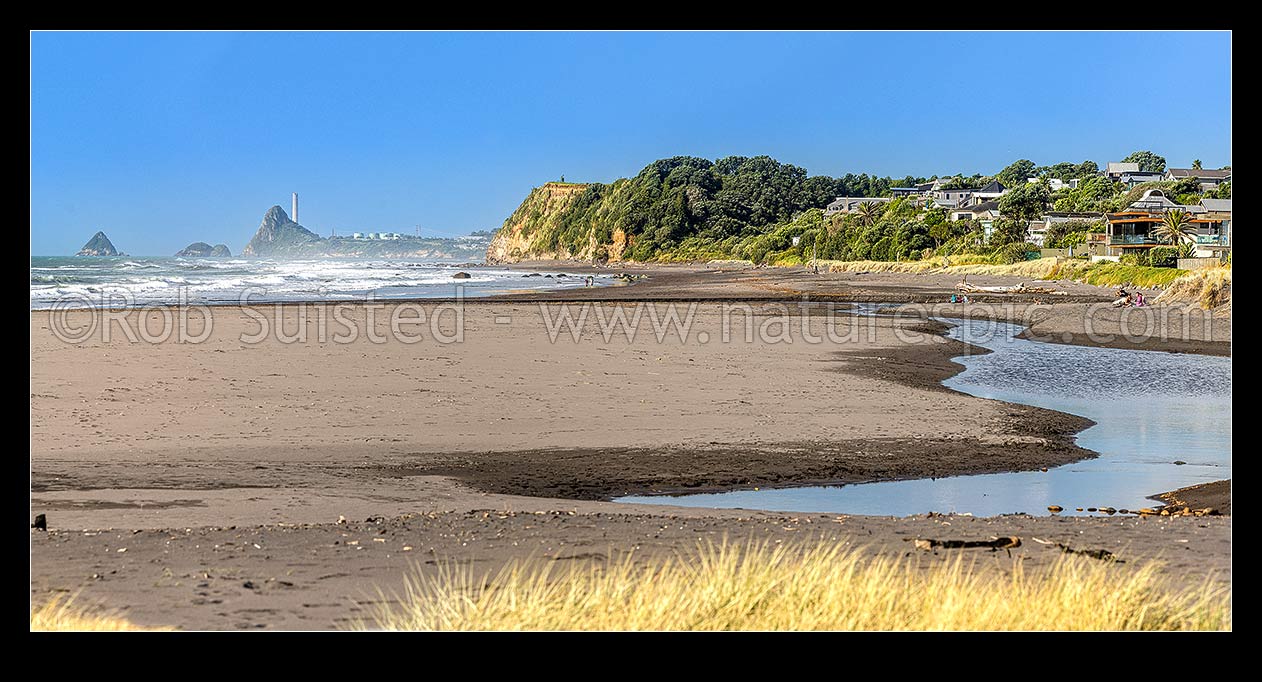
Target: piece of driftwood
point(1007, 542)
point(964, 287)
point(1101, 554)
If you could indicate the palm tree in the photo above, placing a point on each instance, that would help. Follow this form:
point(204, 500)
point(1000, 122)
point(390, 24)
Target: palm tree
point(1175, 227)
point(867, 212)
point(1196, 164)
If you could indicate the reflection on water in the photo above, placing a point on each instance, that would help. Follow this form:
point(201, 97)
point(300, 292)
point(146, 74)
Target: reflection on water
point(1151, 409)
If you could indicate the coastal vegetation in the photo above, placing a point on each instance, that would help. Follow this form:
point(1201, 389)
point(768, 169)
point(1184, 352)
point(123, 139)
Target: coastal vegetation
point(767, 212)
point(64, 614)
point(824, 587)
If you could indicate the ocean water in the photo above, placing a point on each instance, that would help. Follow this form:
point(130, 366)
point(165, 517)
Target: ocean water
point(93, 282)
point(1151, 409)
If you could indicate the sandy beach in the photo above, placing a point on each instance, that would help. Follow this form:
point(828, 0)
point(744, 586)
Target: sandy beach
point(200, 484)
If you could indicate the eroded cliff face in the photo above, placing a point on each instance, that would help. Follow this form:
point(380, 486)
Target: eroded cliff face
point(533, 231)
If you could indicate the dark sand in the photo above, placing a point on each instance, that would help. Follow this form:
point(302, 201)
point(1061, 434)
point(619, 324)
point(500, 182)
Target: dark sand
point(167, 446)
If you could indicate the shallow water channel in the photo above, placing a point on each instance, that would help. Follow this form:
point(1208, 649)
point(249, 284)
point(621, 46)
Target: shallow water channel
point(1151, 409)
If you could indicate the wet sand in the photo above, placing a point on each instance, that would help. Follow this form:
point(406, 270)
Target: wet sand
point(182, 441)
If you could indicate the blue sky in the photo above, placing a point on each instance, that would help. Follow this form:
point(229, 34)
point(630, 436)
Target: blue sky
point(161, 139)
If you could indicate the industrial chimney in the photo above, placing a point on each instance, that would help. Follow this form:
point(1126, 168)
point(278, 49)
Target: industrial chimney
point(293, 215)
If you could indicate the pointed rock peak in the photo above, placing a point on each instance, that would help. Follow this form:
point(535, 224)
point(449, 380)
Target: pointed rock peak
point(276, 214)
point(98, 245)
point(278, 235)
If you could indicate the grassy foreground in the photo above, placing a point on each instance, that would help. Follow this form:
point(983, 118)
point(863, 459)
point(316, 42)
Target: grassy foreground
point(62, 614)
point(757, 587)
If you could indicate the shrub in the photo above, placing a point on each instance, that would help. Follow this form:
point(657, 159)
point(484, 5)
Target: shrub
point(1163, 256)
point(1137, 258)
point(1012, 253)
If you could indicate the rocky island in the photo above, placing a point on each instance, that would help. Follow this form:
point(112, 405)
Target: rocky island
point(204, 250)
point(99, 245)
point(279, 236)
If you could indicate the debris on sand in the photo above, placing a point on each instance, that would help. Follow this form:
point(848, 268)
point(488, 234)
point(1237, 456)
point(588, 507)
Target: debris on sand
point(1003, 542)
point(1101, 554)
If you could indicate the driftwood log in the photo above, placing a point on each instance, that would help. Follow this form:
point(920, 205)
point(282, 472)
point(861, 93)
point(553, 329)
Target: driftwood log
point(1006, 542)
point(964, 287)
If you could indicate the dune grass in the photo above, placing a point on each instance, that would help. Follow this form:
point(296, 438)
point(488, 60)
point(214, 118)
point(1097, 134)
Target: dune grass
point(64, 614)
point(761, 587)
point(1208, 288)
point(1102, 274)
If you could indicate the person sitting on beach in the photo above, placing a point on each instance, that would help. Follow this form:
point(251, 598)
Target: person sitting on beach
point(1122, 302)
point(955, 298)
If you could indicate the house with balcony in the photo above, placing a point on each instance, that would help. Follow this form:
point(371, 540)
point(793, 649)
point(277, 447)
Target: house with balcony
point(1209, 179)
point(1217, 240)
point(951, 198)
point(1132, 230)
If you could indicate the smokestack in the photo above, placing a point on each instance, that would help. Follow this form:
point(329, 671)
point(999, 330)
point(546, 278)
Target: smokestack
point(293, 215)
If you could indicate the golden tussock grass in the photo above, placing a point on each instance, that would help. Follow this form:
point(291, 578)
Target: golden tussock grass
point(757, 587)
point(1208, 288)
point(63, 614)
point(1102, 274)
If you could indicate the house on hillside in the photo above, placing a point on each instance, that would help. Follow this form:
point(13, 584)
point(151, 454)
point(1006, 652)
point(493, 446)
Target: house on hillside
point(1131, 179)
point(1132, 229)
point(990, 192)
point(848, 204)
point(1056, 184)
point(985, 211)
point(1209, 179)
point(951, 198)
point(904, 191)
point(1116, 169)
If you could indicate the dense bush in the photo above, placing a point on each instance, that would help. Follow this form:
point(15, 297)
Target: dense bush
point(1163, 256)
point(1135, 258)
point(1015, 252)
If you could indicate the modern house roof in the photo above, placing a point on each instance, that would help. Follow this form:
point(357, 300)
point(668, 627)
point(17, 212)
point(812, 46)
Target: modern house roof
point(1155, 201)
point(1199, 173)
point(1119, 167)
point(1217, 205)
point(995, 187)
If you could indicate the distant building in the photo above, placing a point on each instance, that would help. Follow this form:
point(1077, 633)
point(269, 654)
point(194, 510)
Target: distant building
point(1056, 184)
point(904, 191)
point(990, 192)
point(849, 204)
point(357, 235)
point(1209, 179)
point(951, 198)
point(985, 211)
point(1131, 179)
point(1115, 169)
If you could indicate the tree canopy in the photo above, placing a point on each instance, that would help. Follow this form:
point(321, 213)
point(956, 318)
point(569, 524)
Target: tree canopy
point(1148, 161)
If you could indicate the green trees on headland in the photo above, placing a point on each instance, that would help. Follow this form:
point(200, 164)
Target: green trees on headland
point(758, 209)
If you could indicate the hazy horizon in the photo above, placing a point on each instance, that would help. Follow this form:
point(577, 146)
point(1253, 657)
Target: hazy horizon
point(164, 139)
